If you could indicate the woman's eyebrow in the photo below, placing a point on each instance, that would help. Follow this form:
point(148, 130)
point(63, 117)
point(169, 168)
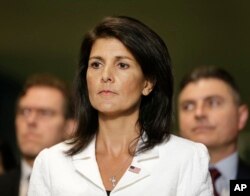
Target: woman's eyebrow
point(96, 57)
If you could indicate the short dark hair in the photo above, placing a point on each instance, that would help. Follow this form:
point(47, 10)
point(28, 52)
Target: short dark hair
point(151, 53)
point(211, 71)
point(48, 80)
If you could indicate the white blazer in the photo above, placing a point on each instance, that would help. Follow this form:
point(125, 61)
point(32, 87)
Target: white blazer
point(178, 167)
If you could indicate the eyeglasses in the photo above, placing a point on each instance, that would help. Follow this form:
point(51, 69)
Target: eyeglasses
point(40, 113)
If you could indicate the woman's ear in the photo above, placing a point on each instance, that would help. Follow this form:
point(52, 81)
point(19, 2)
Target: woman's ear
point(148, 87)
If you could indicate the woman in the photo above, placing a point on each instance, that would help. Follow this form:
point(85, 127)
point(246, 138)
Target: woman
point(122, 144)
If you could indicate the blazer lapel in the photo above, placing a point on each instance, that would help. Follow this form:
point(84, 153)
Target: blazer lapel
point(85, 163)
point(140, 168)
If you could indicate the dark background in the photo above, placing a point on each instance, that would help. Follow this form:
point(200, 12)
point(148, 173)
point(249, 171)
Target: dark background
point(45, 35)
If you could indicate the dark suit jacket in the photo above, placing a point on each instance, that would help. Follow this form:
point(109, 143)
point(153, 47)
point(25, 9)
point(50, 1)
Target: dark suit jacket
point(9, 183)
point(243, 170)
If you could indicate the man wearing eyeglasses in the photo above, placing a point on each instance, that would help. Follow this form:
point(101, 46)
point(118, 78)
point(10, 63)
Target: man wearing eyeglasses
point(44, 117)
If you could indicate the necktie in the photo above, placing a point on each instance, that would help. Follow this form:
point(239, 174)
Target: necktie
point(215, 174)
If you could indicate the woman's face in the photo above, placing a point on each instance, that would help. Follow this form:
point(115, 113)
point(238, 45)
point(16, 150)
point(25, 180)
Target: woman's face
point(115, 80)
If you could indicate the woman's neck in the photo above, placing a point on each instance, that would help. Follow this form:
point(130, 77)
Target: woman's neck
point(116, 136)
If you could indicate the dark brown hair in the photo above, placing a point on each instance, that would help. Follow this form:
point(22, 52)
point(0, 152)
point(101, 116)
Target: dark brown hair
point(48, 80)
point(151, 53)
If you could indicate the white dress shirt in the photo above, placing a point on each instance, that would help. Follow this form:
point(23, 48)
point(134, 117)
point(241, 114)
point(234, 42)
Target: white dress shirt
point(177, 167)
point(25, 175)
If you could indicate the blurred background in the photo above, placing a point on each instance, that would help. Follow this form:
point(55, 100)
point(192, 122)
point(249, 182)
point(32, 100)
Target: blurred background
point(45, 36)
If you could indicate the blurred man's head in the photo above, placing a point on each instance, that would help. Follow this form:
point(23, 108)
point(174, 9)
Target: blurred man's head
point(44, 115)
point(211, 110)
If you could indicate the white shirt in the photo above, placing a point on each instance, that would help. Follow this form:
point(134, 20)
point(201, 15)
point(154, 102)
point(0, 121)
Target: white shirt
point(25, 175)
point(177, 167)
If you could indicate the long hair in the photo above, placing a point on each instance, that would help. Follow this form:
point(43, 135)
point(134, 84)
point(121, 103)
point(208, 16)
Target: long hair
point(151, 53)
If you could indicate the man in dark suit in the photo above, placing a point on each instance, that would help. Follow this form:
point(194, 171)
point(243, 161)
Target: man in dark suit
point(210, 111)
point(44, 117)
point(9, 183)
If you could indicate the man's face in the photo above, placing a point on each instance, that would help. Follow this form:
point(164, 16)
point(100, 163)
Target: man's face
point(208, 113)
point(40, 120)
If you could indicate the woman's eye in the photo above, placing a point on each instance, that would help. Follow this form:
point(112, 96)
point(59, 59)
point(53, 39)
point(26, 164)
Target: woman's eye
point(123, 65)
point(95, 65)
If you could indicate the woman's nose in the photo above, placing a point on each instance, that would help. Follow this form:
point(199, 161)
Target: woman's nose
point(107, 74)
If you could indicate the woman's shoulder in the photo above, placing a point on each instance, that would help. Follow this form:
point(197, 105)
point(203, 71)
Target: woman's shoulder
point(56, 151)
point(182, 146)
point(180, 140)
point(65, 145)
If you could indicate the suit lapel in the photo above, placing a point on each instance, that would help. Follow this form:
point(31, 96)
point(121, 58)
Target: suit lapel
point(243, 170)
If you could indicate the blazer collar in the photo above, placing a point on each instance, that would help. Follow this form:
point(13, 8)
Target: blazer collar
point(88, 152)
point(138, 169)
point(149, 154)
point(85, 163)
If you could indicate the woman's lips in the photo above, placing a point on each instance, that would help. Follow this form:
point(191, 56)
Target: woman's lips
point(106, 92)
